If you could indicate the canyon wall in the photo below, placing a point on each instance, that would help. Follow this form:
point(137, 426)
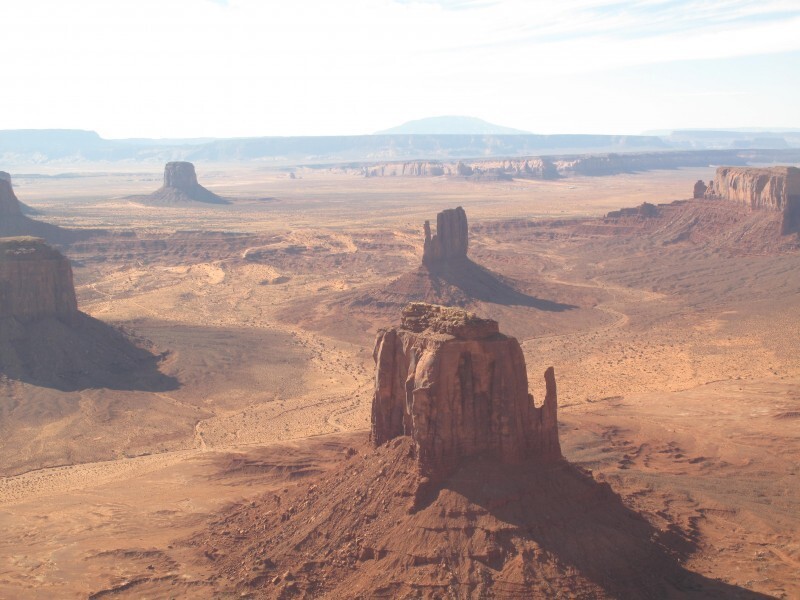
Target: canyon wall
point(459, 388)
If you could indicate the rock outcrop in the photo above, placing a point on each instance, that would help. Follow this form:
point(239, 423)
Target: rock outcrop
point(35, 281)
point(645, 211)
point(773, 189)
point(700, 189)
point(46, 341)
point(450, 240)
point(459, 388)
point(9, 205)
point(447, 276)
point(181, 186)
point(15, 223)
point(8, 199)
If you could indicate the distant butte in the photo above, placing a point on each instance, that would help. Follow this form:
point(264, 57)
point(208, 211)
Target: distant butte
point(9, 204)
point(451, 239)
point(35, 281)
point(449, 277)
point(13, 221)
point(180, 187)
point(46, 341)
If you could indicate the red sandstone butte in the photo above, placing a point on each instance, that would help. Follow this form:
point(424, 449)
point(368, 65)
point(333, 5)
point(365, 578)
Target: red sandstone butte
point(459, 388)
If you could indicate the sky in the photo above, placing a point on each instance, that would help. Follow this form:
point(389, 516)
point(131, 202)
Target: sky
point(242, 68)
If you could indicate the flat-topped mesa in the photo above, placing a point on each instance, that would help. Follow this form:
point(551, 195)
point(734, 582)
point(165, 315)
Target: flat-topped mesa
point(450, 240)
point(459, 388)
point(180, 185)
point(775, 189)
point(9, 205)
point(180, 175)
point(35, 280)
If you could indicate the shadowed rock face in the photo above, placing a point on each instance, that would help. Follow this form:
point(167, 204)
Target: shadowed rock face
point(46, 341)
point(35, 280)
point(180, 175)
point(181, 186)
point(450, 240)
point(699, 189)
point(776, 189)
point(9, 205)
point(459, 388)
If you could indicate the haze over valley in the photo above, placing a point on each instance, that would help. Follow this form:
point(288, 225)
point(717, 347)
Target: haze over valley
point(256, 347)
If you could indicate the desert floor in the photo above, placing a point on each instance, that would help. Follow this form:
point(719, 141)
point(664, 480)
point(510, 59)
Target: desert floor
point(677, 364)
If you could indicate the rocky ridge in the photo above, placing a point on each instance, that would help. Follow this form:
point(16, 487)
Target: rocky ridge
point(459, 388)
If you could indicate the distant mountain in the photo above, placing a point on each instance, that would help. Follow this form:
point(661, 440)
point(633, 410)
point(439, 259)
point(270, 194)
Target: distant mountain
point(34, 147)
point(450, 125)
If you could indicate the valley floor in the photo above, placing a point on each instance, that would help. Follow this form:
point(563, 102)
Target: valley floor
point(678, 375)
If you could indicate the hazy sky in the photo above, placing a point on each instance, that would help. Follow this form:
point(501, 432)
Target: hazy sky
point(195, 68)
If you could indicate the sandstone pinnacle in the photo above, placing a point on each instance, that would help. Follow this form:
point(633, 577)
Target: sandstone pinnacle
point(450, 240)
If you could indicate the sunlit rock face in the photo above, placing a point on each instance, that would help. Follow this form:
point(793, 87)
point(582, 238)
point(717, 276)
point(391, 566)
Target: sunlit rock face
point(775, 188)
point(459, 388)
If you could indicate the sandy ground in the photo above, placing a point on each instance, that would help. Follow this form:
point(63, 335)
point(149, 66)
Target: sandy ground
point(677, 371)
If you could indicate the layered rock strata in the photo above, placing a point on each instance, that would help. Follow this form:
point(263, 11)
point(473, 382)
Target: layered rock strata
point(35, 281)
point(774, 189)
point(180, 186)
point(459, 388)
point(451, 239)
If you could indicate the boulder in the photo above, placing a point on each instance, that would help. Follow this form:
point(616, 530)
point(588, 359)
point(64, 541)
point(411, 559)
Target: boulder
point(459, 388)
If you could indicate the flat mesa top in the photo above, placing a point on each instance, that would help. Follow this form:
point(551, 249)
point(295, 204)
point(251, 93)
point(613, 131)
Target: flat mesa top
point(419, 317)
point(783, 170)
point(26, 248)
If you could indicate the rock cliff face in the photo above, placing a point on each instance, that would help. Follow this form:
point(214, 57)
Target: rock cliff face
point(458, 387)
point(181, 186)
point(775, 189)
point(9, 205)
point(35, 281)
point(450, 240)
